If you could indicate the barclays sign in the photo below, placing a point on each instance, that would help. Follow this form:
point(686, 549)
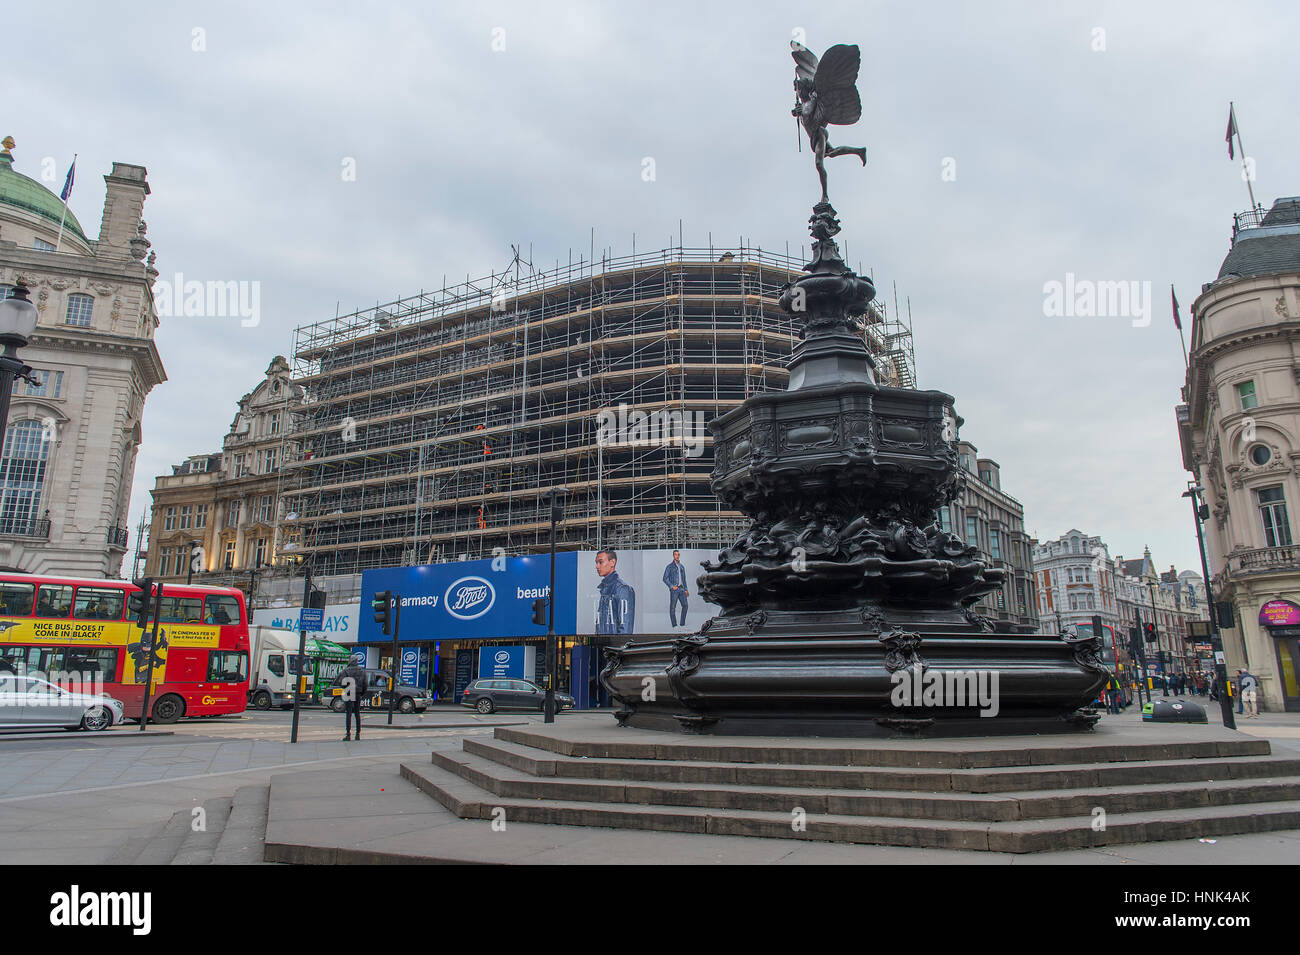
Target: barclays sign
point(469, 598)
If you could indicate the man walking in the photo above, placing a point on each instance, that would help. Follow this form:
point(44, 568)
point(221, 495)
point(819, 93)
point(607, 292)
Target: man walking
point(675, 580)
point(1249, 691)
point(353, 681)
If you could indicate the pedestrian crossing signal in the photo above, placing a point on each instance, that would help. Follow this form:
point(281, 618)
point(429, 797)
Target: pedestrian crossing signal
point(539, 611)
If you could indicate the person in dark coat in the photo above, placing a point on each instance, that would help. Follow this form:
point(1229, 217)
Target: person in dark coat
point(353, 681)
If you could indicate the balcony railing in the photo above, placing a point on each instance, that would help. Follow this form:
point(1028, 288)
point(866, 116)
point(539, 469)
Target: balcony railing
point(117, 538)
point(1263, 560)
point(25, 528)
point(1250, 219)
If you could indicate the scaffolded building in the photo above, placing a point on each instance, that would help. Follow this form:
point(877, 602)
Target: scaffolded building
point(436, 424)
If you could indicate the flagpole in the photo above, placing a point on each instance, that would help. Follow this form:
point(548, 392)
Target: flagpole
point(1173, 297)
point(1245, 169)
point(59, 241)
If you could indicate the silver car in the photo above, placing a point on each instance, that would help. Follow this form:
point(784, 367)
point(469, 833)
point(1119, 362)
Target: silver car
point(32, 703)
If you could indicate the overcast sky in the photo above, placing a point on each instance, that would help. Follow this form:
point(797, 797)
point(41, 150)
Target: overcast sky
point(1088, 138)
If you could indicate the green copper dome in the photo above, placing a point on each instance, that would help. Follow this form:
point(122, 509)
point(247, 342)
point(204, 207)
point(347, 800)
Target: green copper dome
point(29, 195)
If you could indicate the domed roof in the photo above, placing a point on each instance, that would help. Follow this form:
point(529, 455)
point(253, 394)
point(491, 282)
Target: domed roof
point(1271, 247)
point(25, 193)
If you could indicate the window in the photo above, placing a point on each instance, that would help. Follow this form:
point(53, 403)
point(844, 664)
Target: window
point(164, 560)
point(90, 664)
point(16, 599)
point(275, 664)
point(229, 559)
point(275, 418)
point(228, 666)
point(53, 600)
point(995, 545)
point(201, 516)
point(22, 476)
point(51, 384)
point(945, 520)
point(232, 514)
point(270, 460)
point(259, 552)
point(169, 519)
point(265, 508)
point(1074, 545)
point(79, 310)
point(1260, 455)
point(1272, 510)
point(1246, 395)
point(187, 516)
point(42, 245)
point(986, 476)
point(972, 531)
point(220, 611)
point(98, 603)
point(180, 609)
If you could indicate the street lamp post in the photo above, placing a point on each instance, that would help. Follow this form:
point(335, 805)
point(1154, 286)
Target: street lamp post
point(1200, 512)
point(554, 498)
point(1164, 677)
point(17, 323)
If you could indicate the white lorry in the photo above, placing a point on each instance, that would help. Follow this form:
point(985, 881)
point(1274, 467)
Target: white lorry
point(274, 659)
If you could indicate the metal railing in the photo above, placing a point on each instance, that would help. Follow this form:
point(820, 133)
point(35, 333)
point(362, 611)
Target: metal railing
point(1250, 219)
point(117, 537)
point(17, 527)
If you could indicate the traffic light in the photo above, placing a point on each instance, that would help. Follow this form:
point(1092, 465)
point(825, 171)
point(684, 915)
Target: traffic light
point(539, 611)
point(316, 599)
point(140, 604)
point(383, 607)
point(1149, 632)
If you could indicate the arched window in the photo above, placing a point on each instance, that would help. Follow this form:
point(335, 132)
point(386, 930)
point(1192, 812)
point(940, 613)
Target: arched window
point(79, 308)
point(22, 476)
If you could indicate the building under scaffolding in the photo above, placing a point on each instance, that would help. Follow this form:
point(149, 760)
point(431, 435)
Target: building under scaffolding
point(435, 424)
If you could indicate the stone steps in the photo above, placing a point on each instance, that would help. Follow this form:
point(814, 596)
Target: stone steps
point(469, 801)
point(1026, 795)
point(199, 845)
point(501, 780)
point(920, 754)
point(243, 838)
point(234, 834)
point(804, 775)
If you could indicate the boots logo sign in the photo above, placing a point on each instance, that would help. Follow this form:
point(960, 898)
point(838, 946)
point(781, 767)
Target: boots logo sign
point(469, 598)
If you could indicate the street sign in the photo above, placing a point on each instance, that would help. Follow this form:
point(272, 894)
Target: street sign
point(313, 618)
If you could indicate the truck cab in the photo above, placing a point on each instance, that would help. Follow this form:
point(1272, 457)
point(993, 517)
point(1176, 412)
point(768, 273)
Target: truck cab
point(275, 667)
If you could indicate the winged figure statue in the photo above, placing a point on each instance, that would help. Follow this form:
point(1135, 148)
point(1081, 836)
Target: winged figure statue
point(826, 94)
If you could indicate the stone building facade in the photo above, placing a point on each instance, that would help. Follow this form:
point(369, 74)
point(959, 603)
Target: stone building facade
point(994, 521)
point(70, 442)
point(1239, 426)
point(227, 503)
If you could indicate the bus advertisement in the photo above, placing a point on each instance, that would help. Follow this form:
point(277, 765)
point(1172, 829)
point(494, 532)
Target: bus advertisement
point(76, 632)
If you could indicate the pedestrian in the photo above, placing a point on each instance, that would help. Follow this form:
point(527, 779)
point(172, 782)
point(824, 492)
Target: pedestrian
point(1236, 686)
point(353, 681)
point(1249, 691)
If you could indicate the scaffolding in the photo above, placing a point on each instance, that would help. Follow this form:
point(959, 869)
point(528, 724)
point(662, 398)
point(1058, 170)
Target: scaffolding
point(435, 424)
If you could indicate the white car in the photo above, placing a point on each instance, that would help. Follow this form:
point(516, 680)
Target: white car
point(31, 703)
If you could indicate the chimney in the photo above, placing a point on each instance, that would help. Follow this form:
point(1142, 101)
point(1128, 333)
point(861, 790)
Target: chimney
point(123, 207)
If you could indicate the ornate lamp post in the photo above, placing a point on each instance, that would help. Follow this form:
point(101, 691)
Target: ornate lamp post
point(1200, 512)
point(17, 323)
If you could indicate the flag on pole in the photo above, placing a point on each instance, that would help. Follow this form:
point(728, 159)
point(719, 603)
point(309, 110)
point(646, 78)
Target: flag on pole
point(1177, 322)
point(67, 183)
point(1232, 130)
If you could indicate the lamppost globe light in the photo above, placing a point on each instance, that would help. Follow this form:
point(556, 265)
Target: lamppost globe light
point(17, 319)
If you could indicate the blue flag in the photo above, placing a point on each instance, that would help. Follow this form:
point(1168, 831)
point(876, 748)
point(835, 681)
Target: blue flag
point(67, 183)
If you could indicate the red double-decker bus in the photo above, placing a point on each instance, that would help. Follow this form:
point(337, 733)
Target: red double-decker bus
point(77, 632)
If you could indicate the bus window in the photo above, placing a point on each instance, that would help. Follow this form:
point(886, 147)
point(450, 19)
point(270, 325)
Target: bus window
point(85, 663)
point(54, 600)
point(227, 666)
point(98, 603)
point(13, 659)
point(181, 609)
point(220, 611)
point(16, 599)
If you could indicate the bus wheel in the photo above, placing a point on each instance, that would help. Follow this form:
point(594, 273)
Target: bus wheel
point(262, 700)
point(168, 709)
